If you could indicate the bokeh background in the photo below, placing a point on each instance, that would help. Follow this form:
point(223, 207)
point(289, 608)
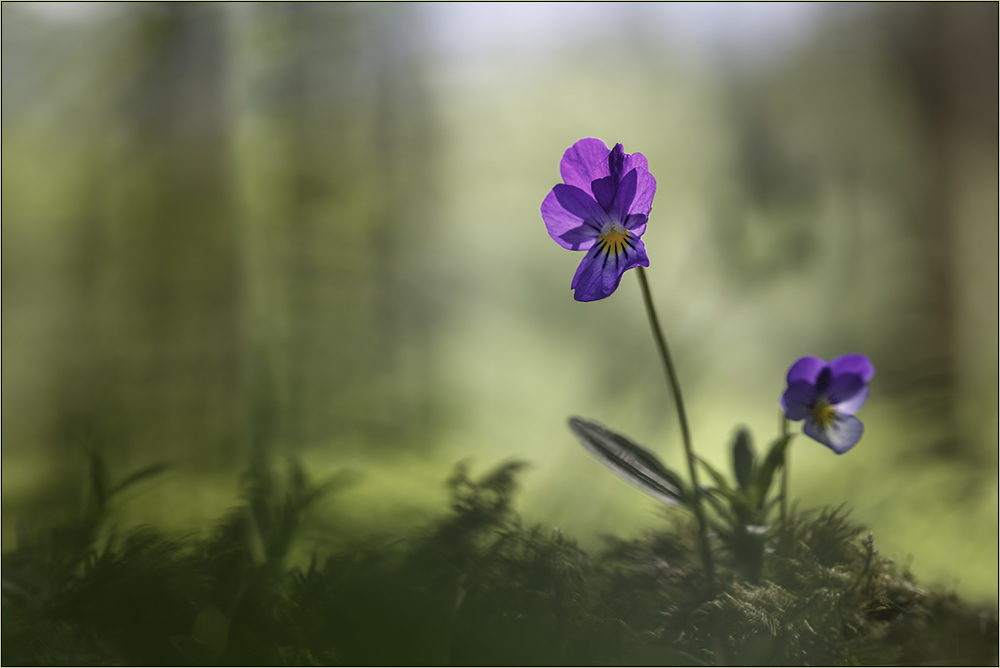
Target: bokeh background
point(312, 230)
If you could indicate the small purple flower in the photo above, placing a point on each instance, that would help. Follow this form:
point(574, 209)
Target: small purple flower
point(827, 395)
point(601, 208)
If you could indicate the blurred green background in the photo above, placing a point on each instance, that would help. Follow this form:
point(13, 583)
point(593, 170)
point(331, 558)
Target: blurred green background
point(313, 230)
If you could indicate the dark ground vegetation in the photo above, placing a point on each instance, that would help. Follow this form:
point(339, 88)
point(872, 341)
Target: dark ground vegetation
point(475, 587)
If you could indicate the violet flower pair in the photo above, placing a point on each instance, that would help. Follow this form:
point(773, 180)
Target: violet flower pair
point(602, 208)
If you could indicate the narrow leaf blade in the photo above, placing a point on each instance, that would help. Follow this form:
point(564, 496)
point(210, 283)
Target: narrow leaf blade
point(744, 459)
point(765, 473)
point(630, 462)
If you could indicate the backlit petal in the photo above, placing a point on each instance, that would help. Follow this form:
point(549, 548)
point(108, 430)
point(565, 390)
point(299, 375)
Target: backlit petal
point(856, 364)
point(854, 404)
point(636, 224)
point(645, 184)
point(623, 197)
point(843, 388)
point(580, 160)
point(842, 435)
point(600, 272)
point(806, 369)
point(568, 229)
point(798, 399)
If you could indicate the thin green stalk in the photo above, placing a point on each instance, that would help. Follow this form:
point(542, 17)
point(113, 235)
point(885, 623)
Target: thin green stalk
point(783, 429)
point(675, 388)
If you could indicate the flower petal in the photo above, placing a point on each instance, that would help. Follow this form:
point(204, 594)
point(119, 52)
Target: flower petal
point(806, 369)
point(580, 160)
point(572, 217)
point(645, 183)
point(843, 388)
point(608, 174)
point(567, 230)
point(618, 211)
point(798, 399)
point(636, 224)
point(842, 435)
point(856, 364)
point(854, 404)
point(600, 272)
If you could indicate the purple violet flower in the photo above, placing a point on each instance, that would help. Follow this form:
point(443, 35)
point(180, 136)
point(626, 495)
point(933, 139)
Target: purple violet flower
point(827, 395)
point(601, 208)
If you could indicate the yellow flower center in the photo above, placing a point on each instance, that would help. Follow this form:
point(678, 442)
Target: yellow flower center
point(823, 413)
point(614, 238)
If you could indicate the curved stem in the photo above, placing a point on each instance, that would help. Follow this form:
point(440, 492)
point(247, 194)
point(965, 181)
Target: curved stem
point(675, 389)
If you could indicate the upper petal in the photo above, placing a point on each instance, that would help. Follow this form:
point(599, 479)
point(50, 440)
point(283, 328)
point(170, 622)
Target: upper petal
point(853, 405)
point(618, 211)
point(856, 364)
point(843, 388)
point(609, 172)
point(580, 160)
point(579, 203)
point(636, 223)
point(567, 229)
point(806, 369)
point(842, 435)
point(645, 183)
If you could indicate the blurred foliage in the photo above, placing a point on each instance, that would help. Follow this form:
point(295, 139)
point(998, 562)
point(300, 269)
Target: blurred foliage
point(312, 228)
point(473, 587)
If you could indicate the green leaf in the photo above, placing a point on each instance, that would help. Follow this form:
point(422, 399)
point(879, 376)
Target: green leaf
point(720, 480)
point(744, 459)
point(211, 628)
point(712, 495)
point(765, 473)
point(630, 462)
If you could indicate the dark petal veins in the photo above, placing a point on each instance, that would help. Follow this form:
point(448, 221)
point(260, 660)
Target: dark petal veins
point(856, 364)
point(798, 399)
point(580, 160)
point(842, 388)
point(588, 282)
point(842, 435)
point(805, 369)
point(627, 257)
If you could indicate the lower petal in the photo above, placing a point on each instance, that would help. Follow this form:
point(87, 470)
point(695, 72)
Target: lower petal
point(842, 434)
point(600, 272)
point(588, 282)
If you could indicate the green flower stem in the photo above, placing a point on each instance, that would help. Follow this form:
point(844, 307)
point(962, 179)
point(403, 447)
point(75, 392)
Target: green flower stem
point(675, 388)
point(783, 431)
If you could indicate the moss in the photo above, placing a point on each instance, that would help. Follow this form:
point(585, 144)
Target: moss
point(474, 587)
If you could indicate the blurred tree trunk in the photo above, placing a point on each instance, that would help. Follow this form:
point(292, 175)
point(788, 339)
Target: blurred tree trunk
point(947, 54)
